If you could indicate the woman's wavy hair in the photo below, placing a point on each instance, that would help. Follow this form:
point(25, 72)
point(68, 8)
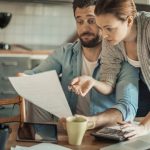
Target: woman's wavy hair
point(119, 8)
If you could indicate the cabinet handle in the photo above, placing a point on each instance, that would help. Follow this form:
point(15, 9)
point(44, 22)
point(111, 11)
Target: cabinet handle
point(10, 63)
point(5, 78)
point(7, 92)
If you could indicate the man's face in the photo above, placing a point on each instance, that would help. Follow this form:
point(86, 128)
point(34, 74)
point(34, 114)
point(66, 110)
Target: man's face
point(87, 29)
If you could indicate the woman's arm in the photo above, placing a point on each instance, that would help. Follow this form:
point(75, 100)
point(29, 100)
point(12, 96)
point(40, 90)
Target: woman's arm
point(83, 84)
point(111, 59)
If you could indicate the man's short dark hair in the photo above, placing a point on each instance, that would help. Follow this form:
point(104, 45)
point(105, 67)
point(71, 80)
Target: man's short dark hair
point(82, 4)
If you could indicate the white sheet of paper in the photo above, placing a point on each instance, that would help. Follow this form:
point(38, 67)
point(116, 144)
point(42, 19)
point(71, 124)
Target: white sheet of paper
point(19, 148)
point(48, 146)
point(44, 146)
point(44, 90)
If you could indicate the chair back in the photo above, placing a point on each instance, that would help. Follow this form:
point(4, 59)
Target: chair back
point(21, 116)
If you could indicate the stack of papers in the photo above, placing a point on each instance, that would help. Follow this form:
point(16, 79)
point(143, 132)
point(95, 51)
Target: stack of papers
point(42, 146)
point(43, 90)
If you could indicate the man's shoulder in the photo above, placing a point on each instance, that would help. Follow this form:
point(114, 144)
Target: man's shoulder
point(66, 50)
point(71, 46)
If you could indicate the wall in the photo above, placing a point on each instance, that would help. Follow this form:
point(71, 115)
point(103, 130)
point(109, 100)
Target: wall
point(142, 1)
point(38, 24)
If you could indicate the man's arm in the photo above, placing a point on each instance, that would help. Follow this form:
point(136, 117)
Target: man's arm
point(126, 98)
point(127, 91)
point(52, 62)
point(106, 118)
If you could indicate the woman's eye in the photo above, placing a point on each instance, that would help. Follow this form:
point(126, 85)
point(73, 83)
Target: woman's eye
point(109, 29)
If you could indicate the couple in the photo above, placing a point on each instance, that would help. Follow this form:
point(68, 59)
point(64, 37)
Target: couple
point(102, 67)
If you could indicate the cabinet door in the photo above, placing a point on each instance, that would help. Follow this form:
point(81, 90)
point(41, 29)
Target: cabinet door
point(12, 65)
point(9, 66)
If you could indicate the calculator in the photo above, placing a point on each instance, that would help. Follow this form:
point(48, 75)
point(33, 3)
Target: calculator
point(110, 133)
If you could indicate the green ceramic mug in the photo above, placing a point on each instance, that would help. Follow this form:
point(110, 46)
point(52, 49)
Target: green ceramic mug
point(76, 127)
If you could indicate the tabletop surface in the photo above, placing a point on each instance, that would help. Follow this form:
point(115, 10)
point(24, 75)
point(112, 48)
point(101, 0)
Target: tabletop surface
point(88, 143)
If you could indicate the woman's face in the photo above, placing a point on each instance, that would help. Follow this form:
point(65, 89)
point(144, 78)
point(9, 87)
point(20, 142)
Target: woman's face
point(113, 30)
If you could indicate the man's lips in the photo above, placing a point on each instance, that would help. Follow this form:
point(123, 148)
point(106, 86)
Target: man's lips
point(87, 36)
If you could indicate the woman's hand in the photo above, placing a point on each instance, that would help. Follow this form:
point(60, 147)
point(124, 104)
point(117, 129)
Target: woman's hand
point(81, 85)
point(133, 130)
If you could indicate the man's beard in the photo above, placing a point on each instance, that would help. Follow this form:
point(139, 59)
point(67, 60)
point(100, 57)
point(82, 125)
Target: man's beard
point(91, 43)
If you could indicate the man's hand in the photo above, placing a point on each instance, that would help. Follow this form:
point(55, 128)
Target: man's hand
point(62, 122)
point(81, 85)
point(133, 130)
point(20, 74)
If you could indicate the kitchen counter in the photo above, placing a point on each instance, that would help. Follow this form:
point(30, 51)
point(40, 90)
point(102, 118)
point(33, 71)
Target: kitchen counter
point(17, 60)
point(33, 54)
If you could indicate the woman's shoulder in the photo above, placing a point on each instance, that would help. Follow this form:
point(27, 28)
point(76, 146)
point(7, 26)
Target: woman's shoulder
point(113, 51)
point(143, 16)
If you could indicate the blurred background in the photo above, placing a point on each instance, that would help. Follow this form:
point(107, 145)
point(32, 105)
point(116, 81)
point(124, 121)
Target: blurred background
point(40, 24)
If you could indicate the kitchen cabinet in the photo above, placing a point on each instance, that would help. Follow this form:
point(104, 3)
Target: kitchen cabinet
point(14, 61)
point(11, 62)
point(41, 1)
point(9, 66)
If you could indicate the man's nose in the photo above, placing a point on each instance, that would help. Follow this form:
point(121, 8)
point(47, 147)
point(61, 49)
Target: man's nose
point(86, 24)
point(85, 27)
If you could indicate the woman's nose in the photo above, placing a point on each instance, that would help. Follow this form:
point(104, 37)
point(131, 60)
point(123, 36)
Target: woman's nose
point(104, 34)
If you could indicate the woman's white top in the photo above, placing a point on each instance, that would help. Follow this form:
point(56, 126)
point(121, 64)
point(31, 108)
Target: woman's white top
point(133, 62)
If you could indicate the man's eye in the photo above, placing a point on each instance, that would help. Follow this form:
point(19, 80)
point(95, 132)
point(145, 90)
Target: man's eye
point(79, 21)
point(92, 21)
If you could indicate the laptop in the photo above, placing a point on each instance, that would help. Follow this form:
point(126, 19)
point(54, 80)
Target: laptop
point(139, 143)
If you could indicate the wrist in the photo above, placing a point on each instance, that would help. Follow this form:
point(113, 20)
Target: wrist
point(93, 81)
point(98, 121)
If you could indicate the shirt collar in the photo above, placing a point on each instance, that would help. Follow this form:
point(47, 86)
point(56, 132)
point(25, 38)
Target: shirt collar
point(77, 46)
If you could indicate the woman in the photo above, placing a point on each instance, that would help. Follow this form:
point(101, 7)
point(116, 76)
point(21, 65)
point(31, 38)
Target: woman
point(126, 36)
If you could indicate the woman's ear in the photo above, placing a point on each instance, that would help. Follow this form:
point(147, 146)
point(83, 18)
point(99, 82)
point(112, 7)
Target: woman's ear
point(130, 20)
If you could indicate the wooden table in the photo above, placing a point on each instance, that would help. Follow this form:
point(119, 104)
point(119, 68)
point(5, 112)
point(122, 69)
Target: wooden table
point(88, 143)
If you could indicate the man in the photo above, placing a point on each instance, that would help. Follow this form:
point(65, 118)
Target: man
point(83, 58)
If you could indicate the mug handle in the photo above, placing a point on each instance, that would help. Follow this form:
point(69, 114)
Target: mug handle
point(90, 125)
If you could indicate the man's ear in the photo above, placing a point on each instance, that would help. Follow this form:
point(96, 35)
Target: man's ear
point(130, 20)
